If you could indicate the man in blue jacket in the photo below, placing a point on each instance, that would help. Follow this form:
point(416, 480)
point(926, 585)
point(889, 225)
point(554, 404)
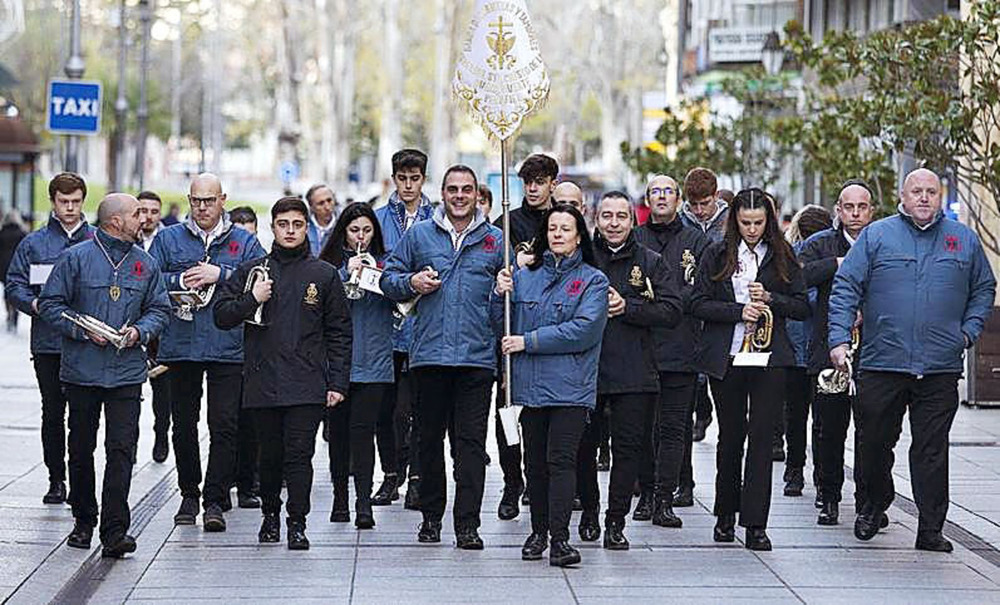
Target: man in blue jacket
point(29, 269)
point(111, 279)
point(407, 206)
point(194, 256)
point(923, 283)
point(451, 262)
point(322, 216)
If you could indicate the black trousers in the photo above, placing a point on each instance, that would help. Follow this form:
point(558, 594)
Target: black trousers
point(748, 405)
point(394, 431)
point(247, 451)
point(510, 455)
point(832, 412)
point(798, 395)
point(630, 429)
point(224, 394)
point(932, 400)
point(673, 426)
point(459, 398)
point(121, 435)
point(161, 404)
point(352, 436)
point(53, 414)
point(287, 443)
point(551, 441)
point(702, 402)
point(646, 474)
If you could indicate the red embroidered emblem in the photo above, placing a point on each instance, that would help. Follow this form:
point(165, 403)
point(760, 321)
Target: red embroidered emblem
point(234, 248)
point(137, 269)
point(951, 243)
point(573, 289)
point(490, 244)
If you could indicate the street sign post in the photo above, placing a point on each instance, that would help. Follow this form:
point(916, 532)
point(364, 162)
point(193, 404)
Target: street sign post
point(74, 107)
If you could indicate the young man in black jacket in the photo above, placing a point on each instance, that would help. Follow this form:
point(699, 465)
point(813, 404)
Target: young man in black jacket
point(681, 247)
point(642, 295)
point(296, 363)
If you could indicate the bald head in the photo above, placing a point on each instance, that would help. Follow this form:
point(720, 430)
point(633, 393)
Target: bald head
point(921, 196)
point(206, 181)
point(570, 193)
point(207, 200)
point(119, 216)
point(663, 198)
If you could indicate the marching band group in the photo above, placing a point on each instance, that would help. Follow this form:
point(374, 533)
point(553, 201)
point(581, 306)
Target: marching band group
point(385, 327)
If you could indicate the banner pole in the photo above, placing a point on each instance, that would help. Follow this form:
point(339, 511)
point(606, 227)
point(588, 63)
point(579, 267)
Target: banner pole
point(505, 204)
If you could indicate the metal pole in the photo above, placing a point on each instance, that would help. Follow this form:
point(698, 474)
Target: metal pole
point(505, 204)
point(145, 17)
point(74, 70)
point(121, 106)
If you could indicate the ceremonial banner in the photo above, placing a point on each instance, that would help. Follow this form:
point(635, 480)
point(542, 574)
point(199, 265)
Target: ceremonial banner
point(500, 77)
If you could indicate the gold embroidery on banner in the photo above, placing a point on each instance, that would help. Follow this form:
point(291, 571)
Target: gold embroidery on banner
point(501, 43)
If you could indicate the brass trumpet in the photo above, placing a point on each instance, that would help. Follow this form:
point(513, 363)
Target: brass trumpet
point(258, 273)
point(831, 380)
point(95, 326)
point(758, 336)
point(352, 288)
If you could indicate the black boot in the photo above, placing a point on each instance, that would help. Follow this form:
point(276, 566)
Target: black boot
point(644, 508)
point(81, 535)
point(188, 511)
point(561, 554)
point(340, 512)
point(663, 513)
point(590, 527)
point(510, 502)
point(297, 539)
point(247, 500)
point(829, 514)
point(412, 501)
point(430, 532)
point(468, 539)
point(270, 529)
point(684, 497)
point(867, 525)
point(212, 519)
point(161, 448)
point(725, 528)
point(614, 537)
point(794, 481)
point(756, 539)
point(56, 493)
point(535, 546)
point(388, 492)
point(118, 548)
point(363, 516)
point(933, 541)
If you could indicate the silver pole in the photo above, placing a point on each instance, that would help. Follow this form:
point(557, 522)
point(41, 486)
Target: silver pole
point(145, 17)
point(74, 70)
point(505, 204)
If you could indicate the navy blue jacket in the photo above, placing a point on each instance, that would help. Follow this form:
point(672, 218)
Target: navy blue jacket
point(561, 310)
point(924, 295)
point(452, 324)
point(81, 282)
point(316, 242)
point(371, 315)
point(42, 247)
point(818, 257)
point(180, 247)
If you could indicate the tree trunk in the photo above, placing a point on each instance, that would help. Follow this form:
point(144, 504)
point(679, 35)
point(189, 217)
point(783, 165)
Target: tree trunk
point(441, 152)
point(390, 138)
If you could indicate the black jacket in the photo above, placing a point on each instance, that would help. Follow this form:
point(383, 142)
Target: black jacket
point(676, 347)
point(305, 348)
point(715, 303)
point(10, 236)
point(818, 258)
point(524, 223)
point(628, 352)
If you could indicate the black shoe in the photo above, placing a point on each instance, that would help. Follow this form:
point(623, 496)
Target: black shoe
point(534, 546)
point(468, 539)
point(933, 541)
point(213, 520)
point(577, 503)
point(56, 493)
point(818, 503)
point(119, 548)
point(388, 492)
point(161, 448)
point(829, 514)
point(683, 497)
point(509, 503)
point(867, 525)
point(778, 452)
point(270, 529)
point(187, 514)
point(756, 539)
point(412, 501)
point(604, 460)
point(562, 554)
point(80, 536)
point(297, 539)
point(725, 529)
point(340, 512)
point(430, 532)
point(590, 527)
point(363, 517)
point(794, 482)
point(614, 537)
point(244, 500)
point(884, 521)
point(698, 430)
point(663, 514)
point(644, 508)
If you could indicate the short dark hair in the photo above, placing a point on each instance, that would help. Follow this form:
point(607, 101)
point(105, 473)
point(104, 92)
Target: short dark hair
point(725, 195)
point(66, 183)
point(699, 184)
point(538, 165)
point(243, 215)
point(289, 203)
point(459, 168)
point(620, 195)
point(405, 159)
point(149, 195)
point(486, 194)
point(317, 187)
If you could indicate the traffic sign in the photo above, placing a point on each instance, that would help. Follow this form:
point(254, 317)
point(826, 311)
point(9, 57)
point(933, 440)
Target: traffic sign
point(289, 172)
point(74, 107)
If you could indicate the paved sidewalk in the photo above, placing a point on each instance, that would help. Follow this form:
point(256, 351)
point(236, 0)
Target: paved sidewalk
point(810, 564)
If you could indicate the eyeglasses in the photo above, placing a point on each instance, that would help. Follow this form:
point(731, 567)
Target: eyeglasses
point(202, 202)
point(661, 191)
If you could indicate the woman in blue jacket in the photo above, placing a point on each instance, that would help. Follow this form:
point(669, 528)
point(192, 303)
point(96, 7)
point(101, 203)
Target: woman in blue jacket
point(352, 423)
point(560, 307)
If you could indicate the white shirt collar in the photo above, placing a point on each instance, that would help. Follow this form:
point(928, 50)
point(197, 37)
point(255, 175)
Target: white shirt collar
point(70, 232)
point(148, 241)
point(456, 237)
point(850, 240)
point(322, 230)
point(759, 250)
point(209, 236)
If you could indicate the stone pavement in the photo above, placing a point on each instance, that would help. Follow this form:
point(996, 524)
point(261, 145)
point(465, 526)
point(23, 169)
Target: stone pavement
point(810, 564)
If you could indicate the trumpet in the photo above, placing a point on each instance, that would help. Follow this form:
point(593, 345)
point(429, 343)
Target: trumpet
point(97, 327)
point(257, 273)
point(406, 308)
point(831, 380)
point(352, 288)
point(758, 336)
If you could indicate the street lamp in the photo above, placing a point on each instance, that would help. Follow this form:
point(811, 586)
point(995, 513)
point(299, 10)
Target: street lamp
point(772, 55)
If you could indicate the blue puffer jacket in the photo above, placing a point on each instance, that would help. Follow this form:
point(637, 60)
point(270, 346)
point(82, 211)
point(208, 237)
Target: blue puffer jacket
point(371, 317)
point(924, 295)
point(81, 282)
point(41, 248)
point(390, 219)
point(452, 324)
point(561, 310)
point(180, 247)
